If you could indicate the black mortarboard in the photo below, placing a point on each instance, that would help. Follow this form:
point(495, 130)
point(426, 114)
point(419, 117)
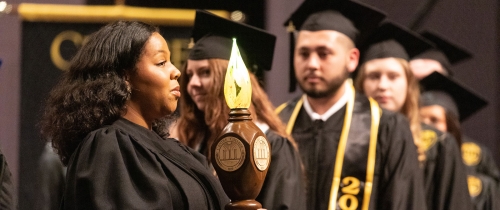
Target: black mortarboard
point(445, 52)
point(354, 19)
point(213, 39)
point(439, 89)
point(393, 40)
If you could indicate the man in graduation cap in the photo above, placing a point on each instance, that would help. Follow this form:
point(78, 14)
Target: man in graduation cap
point(444, 104)
point(356, 155)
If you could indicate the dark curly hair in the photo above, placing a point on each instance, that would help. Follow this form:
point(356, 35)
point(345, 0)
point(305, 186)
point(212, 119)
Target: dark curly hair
point(93, 92)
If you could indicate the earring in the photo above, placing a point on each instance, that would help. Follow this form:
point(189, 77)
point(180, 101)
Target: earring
point(129, 90)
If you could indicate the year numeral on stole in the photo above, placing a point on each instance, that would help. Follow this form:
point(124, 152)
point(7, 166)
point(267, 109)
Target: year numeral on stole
point(349, 201)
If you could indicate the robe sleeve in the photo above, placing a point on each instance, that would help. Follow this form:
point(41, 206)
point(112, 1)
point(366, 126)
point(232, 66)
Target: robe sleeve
point(51, 180)
point(7, 187)
point(488, 197)
point(488, 166)
point(450, 179)
point(284, 186)
point(109, 170)
point(401, 183)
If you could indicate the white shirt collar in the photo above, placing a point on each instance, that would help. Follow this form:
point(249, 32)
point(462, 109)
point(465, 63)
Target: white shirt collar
point(263, 126)
point(338, 105)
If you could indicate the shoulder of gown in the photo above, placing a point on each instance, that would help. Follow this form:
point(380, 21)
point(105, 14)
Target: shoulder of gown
point(397, 165)
point(284, 186)
point(447, 177)
point(117, 168)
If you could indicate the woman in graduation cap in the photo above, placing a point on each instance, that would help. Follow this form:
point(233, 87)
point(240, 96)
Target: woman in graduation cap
point(444, 104)
point(384, 74)
point(107, 120)
point(204, 112)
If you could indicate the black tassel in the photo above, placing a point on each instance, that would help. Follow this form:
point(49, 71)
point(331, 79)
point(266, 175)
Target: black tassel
point(293, 80)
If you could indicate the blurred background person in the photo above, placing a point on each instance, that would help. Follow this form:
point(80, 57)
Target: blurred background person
point(441, 58)
point(384, 74)
point(444, 104)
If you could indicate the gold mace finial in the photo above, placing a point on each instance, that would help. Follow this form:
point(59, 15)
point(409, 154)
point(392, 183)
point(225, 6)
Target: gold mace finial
point(237, 86)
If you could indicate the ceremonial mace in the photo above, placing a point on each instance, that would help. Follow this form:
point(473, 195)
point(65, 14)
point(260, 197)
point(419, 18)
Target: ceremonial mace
point(241, 154)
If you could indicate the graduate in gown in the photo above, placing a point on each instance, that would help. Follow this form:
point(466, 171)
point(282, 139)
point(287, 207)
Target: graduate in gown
point(107, 121)
point(356, 155)
point(204, 112)
point(444, 104)
point(384, 74)
point(6, 186)
point(442, 58)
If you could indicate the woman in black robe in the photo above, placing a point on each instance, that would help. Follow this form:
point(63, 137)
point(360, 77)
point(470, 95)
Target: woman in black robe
point(444, 104)
point(107, 121)
point(384, 74)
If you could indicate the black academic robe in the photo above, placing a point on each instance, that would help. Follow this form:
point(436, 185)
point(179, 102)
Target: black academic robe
point(51, 176)
point(284, 186)
point(444, 173)
point(126, 166)
point(396, 184)
point(484, 179)
point(6, 185)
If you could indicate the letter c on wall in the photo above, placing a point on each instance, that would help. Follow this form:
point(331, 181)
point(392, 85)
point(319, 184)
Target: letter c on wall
point(55, 48)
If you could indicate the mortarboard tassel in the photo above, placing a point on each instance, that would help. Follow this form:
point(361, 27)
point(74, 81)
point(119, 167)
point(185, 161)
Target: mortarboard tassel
point(293, 81)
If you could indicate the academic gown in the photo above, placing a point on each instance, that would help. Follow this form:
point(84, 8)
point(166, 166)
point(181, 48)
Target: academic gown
point(52, 174)
point(484, 178)
point(126, 166)
point(284, 186)
point(6, 185)
point(444, 173)
point(396, 185)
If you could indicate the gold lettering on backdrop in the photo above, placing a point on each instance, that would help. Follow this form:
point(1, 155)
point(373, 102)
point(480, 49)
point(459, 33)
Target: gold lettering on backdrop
point(55, 47)
point(350, 189)
point(178, 49)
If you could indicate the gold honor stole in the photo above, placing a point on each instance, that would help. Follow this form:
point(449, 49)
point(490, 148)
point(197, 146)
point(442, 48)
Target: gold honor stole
point(351, 185)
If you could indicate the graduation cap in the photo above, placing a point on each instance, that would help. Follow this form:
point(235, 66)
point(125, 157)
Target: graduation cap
point(354, 19)
point(213, 39)
point(451, 95)
point(446, 52)
point(393, 40)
